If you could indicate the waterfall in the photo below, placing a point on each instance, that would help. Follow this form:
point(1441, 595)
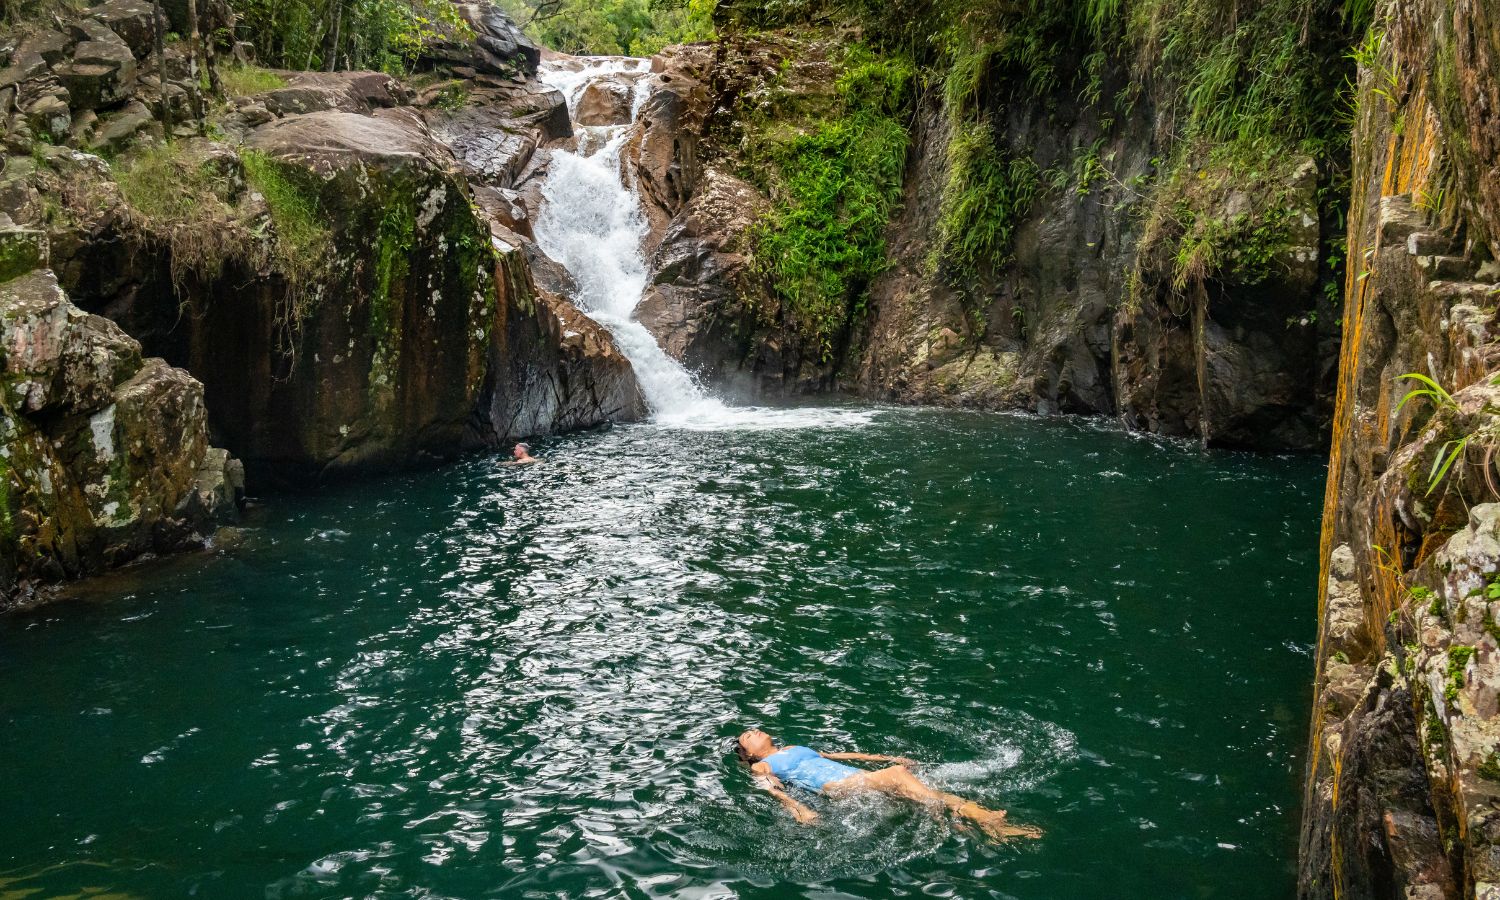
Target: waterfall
point(591, 222)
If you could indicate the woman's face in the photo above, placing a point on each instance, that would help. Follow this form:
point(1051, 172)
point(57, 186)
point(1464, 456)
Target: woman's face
point(757, 744)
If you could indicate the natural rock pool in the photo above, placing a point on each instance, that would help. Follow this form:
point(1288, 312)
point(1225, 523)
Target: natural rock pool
point(483, 681)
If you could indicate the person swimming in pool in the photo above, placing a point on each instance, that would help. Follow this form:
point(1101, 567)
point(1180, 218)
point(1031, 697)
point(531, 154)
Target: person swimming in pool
point(826, 773)
point(521, 456)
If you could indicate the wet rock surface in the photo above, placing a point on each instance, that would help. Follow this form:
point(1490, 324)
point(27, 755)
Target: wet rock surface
point(416, 335)
point(1409, 526)
point(104, 455)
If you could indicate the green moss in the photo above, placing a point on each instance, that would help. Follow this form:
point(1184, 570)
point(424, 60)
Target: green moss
point(1434, 730)
point(20, 253)
point(1490, 768)
point(1458, 660)
point(394, 242)
point(835, 183)
point(1433, 600)
point(7, 519)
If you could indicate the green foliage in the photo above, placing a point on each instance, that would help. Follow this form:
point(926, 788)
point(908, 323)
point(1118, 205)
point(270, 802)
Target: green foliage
point(613, 27)
point(291, 195)
point(835, 183)
point(452, 97)
point(186, 201)
point(1430, 389)
point(985, 195)
point(199, 207)
point(1458, 660)
point(1451, 451)
point(386, 35)
point(1242, 89)
point(243, 81)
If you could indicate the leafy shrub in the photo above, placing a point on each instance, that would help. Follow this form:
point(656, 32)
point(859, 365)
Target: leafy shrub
point(835, 184)
point(986, 194)
point(386, 35)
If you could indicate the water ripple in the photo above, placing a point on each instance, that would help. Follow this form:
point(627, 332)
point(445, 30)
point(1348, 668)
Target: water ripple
point(519, 682)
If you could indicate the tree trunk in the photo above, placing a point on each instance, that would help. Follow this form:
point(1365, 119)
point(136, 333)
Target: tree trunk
point(333, 47)
point(161, 71)
point(194, 44)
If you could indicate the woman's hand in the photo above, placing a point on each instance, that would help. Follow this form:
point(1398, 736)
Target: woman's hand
point(803, 815)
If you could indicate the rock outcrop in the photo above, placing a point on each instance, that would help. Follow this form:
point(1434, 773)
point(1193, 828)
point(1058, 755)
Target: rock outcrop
point(1403, 775)
point(342, 274)
point(104, 455)
point(354, 313)
point(1239, 362)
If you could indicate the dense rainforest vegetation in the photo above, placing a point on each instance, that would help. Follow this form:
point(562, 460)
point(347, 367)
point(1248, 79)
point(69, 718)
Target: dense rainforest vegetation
point(1240, 95)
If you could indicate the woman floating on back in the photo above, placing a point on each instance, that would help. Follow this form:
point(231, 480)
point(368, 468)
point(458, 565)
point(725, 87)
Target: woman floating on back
point(826, 773)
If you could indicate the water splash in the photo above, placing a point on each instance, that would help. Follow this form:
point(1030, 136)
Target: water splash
point(591, 222)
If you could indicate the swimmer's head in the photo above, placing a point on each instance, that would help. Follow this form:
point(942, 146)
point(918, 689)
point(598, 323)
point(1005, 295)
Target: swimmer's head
point(754, 746)
point(522, 450)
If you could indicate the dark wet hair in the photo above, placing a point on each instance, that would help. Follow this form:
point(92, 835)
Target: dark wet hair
point(740, 751)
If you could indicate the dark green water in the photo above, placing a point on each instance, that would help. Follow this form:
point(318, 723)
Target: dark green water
point(497, 682)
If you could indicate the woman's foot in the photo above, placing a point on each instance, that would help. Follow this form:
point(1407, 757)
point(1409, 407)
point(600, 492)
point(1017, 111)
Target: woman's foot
point(1001, 831)
point(994, 823)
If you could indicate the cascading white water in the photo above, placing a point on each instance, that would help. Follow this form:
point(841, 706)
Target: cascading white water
point(591, 222)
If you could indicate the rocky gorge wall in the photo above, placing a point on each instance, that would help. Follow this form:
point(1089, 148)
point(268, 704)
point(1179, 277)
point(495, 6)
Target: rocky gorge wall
point(1403, 771)
point(336, 263)
point(104, 454)
point(1236, 358)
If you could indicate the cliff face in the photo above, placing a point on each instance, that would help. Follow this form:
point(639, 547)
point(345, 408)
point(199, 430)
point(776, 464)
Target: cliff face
point(104, 455)
point(333, 260)
point(1403, 773)
point(1076, 318)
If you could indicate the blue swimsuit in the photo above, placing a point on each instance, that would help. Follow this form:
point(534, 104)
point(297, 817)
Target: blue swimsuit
point(804, 768)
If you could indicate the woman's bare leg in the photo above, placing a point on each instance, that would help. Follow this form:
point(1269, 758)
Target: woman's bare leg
point(898, 781)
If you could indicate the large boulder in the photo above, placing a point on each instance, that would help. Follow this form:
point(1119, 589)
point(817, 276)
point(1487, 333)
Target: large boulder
point(494, 45)
point(359, 92)
point(101, 72)
point(552, 368)
point(410, 342)
point(104, 455)
point(391, 340)
point(607, 101)
point(134, 21)
point(498, 131)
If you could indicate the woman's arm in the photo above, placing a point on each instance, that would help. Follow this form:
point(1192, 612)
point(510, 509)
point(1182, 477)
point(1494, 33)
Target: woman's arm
point(772, 786)
point(869, 757)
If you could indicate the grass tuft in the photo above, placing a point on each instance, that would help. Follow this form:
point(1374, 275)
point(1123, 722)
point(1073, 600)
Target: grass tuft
point(245, 81)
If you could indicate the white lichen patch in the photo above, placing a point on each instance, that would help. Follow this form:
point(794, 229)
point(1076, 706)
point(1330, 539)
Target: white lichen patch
point(431, 206)
point(102, 425)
